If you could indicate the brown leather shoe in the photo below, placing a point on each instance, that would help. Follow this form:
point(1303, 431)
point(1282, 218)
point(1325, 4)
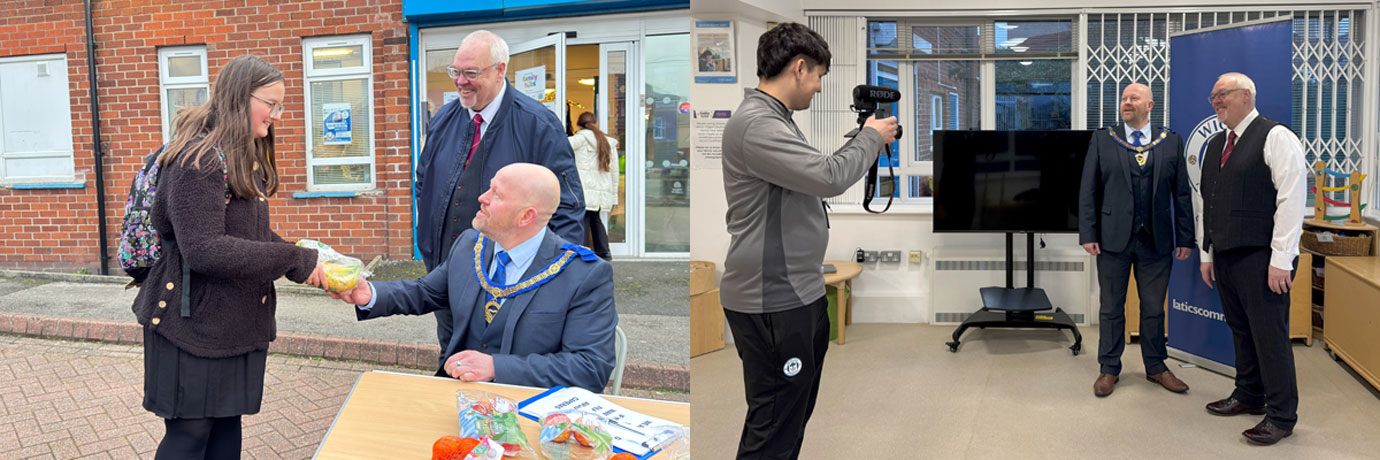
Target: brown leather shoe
point(1231, 406)
point(1167, 380)
point(1266, 433)
point(1104, 383)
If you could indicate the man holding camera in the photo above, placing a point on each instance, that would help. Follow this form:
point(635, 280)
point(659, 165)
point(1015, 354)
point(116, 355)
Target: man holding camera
point(772, 290)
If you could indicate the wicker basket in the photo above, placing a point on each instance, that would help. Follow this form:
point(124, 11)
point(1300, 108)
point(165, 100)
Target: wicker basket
point(1339, 246)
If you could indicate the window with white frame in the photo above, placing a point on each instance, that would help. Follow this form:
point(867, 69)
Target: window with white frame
point(953, 111)
point(936, 113)
point(35, 120)
point(941, 64)
point(184, 83)
point(339, 116)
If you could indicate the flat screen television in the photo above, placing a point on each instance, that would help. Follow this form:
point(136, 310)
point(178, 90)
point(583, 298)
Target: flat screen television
point(1008, 181)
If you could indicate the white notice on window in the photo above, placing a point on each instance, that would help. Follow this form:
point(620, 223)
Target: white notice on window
point(531, 82)
point(632, 431)
point(708, 128)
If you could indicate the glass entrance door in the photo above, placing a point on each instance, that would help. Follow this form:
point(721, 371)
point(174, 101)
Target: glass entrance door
point(614, 105)
point(537, 69)
point(667, 140)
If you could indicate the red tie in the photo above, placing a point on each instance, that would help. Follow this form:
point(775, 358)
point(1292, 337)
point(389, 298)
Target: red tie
point(1231, 143)
point(474, 143)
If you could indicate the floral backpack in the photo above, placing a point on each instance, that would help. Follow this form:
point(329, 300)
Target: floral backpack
point(140, 245)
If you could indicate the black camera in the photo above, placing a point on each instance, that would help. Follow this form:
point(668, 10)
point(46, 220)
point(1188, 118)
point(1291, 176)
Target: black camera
point(869, 100)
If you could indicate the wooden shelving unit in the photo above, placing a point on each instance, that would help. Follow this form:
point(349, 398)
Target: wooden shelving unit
point(1313, 264)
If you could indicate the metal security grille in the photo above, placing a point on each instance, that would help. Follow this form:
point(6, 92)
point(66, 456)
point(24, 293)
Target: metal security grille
point(1328, 60)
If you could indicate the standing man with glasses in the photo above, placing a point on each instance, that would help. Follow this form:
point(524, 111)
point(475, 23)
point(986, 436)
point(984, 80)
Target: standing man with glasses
point(1132, 176)
point(1253, 182)
point(469, 139)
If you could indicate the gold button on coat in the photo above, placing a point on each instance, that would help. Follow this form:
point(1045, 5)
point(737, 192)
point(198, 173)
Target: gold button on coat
point(264, 300)
point(156, 321)
point(162, 304)
point(170, 285)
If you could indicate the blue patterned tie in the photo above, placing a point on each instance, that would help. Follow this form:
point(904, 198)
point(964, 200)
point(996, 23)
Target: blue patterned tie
point(1135, 142)
point(500, 276)
point(498, 280)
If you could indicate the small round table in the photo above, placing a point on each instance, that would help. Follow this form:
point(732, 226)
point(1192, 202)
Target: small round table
point(842, 280)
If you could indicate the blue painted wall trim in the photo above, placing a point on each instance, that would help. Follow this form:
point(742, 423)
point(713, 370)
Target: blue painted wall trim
point(413, 36)
point(447, 12)
point(325, 195)
point(48, 186)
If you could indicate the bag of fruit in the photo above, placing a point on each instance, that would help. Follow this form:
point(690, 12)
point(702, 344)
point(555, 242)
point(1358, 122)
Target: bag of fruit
point(342, 272)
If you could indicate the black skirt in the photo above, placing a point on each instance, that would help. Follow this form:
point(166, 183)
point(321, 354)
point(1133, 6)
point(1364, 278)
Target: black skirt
point(180, 385)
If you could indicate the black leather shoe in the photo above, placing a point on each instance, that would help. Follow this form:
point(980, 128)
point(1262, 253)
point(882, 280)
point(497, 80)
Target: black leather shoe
point(1266, 433)
point(1231, 406)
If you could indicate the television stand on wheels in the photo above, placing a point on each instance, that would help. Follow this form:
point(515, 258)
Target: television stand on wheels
point(1018, 307)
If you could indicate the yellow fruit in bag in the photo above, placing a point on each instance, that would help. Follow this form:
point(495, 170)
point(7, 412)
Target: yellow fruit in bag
point(342, 272)
point(341, 277)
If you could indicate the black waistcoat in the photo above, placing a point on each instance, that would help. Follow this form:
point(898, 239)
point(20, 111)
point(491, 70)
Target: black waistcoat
point(1239, 197)
point(1142, 190)
point(464, 202)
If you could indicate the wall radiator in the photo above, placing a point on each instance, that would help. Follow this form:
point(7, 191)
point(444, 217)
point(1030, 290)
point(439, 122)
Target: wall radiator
point(1066, 277)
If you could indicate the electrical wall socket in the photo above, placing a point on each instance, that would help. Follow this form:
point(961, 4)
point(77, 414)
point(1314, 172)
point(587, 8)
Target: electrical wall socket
point(917, 256)
point(869, 256)
point(891, 257)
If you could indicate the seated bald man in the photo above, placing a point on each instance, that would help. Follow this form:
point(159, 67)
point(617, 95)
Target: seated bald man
point(529, 307)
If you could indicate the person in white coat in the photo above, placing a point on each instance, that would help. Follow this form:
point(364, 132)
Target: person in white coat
point(596, 157)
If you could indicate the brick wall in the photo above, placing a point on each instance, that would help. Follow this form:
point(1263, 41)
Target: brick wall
point(56, 228)
point(128, 36)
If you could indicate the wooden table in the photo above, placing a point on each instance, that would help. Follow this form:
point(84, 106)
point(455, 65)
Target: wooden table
point(391, 415)
point(842, 280)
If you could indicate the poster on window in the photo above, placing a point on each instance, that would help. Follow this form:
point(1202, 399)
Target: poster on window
point(336, 129)
point(531, 82)
point(714, 58)
point(707, 148)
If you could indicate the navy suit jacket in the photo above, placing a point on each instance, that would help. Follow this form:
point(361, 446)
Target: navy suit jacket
point(560, 333)
point(1106, 202)
point(523, 131)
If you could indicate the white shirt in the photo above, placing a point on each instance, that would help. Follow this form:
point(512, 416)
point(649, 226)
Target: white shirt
point(1289, 172)
point(491, 110)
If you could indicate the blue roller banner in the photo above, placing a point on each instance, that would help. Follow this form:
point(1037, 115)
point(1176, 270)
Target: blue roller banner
point(1198, 332)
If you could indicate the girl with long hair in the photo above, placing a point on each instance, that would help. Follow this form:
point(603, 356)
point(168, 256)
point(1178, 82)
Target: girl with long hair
point(207, 306)
point(596, 157)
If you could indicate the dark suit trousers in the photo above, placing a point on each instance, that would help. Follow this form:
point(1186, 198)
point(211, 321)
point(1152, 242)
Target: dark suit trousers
point(1152, 280)
point(1259, 330)
point(783, 359)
